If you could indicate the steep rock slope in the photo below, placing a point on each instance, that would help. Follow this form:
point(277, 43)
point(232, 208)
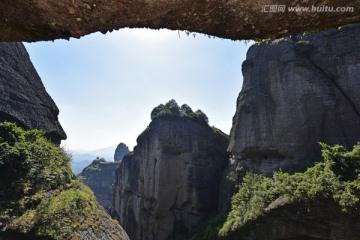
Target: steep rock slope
point(297, 92)
point(120, 151)
point(100, 177)
point(23, 97)
point(170, 182)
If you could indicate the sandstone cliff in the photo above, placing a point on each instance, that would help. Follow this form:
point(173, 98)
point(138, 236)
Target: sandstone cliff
point(297, 92)
point(100, 177)
point(23, 98)
point(170, 182)
point(120, 151)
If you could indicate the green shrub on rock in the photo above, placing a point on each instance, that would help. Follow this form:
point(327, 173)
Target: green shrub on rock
point(171, 110)
point(336, 178)
point(40, 197)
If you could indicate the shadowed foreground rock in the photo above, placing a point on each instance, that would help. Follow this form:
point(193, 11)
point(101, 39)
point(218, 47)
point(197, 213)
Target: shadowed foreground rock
point(170, 183)
point(23, 97)
point(28, 20)
point(296, 93)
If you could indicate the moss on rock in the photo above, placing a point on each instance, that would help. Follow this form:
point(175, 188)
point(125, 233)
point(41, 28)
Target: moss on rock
point(40, 197)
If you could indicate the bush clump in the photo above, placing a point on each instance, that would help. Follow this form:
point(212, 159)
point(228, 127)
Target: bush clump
point(172, 110)
point(29, 165)
point(40, 197)
point(336, 178)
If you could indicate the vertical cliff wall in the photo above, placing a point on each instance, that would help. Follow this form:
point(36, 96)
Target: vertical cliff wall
point(170, 182)
point(297, 92)
point(23, 97)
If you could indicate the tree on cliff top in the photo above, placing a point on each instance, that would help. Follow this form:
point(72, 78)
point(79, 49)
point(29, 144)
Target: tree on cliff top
point(172, 110)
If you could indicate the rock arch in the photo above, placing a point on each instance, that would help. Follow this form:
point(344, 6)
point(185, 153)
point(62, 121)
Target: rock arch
point(33, 20)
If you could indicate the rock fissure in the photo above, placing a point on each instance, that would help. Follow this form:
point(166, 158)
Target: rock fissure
point(334, 82)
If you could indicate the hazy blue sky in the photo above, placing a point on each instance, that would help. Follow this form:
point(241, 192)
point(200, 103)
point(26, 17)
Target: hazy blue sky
point(106, 85)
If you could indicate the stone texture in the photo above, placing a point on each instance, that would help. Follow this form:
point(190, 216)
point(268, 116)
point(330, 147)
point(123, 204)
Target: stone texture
point(120, 151)
point(100, 177)
point(23, 97)
point(30, 20)
point(170, 183)
point(296, 93)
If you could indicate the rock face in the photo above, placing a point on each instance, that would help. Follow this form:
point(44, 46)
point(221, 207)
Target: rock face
point(23, 97)
point(26, 20)
point(296, 93)
point(100, 177)
point(120, 151)
point(170, 182)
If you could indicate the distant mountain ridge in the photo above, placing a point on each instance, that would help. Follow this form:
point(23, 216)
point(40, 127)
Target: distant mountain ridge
point(82, 158)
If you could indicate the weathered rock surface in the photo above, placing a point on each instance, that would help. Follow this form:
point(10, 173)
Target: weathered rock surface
point(29, 20)
point(100, 177)
point(296, 93)
point(23, 97)
point(170, 182)
point(120, 151)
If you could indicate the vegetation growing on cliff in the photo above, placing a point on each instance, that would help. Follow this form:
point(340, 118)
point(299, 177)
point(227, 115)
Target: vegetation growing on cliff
point(336, 178)
point(39, 195)
point(95, 165)
point(172, 110)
